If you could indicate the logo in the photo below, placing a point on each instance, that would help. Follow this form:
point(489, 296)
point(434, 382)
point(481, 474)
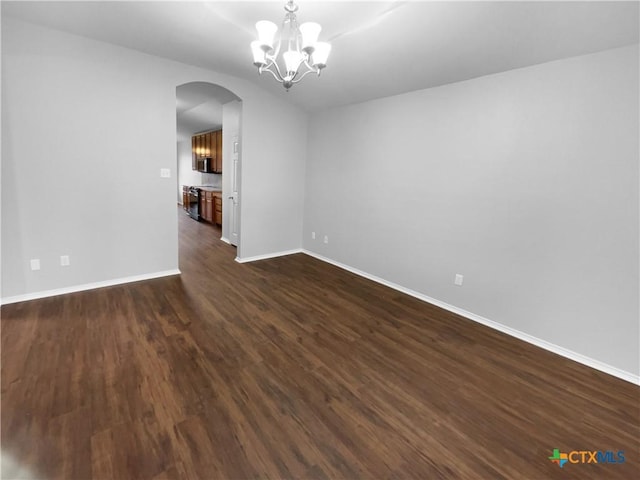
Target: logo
point(559, 458)
point(586, 456)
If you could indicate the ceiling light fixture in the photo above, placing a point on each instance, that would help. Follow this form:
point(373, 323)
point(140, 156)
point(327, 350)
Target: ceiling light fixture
point(303, 55)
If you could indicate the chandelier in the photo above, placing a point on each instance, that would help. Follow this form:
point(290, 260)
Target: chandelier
point(303, 55)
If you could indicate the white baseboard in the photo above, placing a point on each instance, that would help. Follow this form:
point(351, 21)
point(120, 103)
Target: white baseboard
point(578, 357)
point(225, 240)
point(87, 286)
point(267, 256)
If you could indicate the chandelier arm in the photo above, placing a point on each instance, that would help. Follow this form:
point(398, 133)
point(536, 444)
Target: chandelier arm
point(309, 66)
point(279, 77)
point(275, 75)
point(302, 76)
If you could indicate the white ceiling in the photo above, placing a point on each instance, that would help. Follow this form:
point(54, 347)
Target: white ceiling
point(379, 48)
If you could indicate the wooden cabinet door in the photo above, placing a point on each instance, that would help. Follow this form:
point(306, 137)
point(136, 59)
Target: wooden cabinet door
point(214, 145)
point(208, 207)
point(208, 147)
point(211, 137)
point(194, 157)
point(218, 158)
point(218, 209)
point(198, 152)
point(185, 197)
point(201, 205)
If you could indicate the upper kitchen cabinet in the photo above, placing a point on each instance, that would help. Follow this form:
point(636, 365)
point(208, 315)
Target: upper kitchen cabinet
point(194, 157)
point(206, 149)
point(217, 159)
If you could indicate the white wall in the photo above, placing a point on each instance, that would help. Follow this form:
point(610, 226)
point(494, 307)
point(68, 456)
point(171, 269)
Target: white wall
point(525, 182)
point(276, 179)
point(86, 127)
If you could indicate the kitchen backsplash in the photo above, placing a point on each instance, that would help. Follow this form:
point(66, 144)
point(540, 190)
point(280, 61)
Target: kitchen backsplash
point(213, 179)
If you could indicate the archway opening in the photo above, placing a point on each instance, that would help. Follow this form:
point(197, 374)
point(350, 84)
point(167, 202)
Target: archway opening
point(208, 157)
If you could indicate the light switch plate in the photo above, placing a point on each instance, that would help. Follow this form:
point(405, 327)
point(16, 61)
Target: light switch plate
point(165, 173)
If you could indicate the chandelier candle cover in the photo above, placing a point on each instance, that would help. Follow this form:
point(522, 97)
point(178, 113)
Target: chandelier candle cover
point(304, 53)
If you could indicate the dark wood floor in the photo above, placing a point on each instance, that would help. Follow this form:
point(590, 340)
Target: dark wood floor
point(290, 368)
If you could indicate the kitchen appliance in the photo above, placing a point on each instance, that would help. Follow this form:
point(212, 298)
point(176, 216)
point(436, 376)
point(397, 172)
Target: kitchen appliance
point(204, 165)
point(194, 203)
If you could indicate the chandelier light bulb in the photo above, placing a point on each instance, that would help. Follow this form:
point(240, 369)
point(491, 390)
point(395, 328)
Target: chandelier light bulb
point(320, 54)
point(310, 32)
point(292, 60)
point(258, 54)
point(266, 32)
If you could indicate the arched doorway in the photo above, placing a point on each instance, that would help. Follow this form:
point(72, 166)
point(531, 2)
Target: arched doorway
point(203, 107)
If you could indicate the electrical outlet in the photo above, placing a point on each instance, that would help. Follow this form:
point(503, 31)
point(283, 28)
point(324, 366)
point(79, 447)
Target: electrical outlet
point(165, 173)
point(326, 239)
point(313, 235)
point(35, 264)
point(64, 260)
point(458, 280)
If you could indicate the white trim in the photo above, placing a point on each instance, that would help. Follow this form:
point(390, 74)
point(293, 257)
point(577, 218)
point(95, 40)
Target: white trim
point(87, 286)
point(225, 240)
point(538, 342)
point(268, 255)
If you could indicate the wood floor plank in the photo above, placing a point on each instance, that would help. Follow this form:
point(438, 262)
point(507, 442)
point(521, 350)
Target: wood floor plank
point(290, 368)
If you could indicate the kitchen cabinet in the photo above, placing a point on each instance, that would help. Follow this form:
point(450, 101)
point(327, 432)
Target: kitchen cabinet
point(218, 209)
point(209, 204)
point(207, 214)
point(194, 157)
point(185, 197)
point(206, 151)
point(209, 147)
point(201, 205)
point(217, 158)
